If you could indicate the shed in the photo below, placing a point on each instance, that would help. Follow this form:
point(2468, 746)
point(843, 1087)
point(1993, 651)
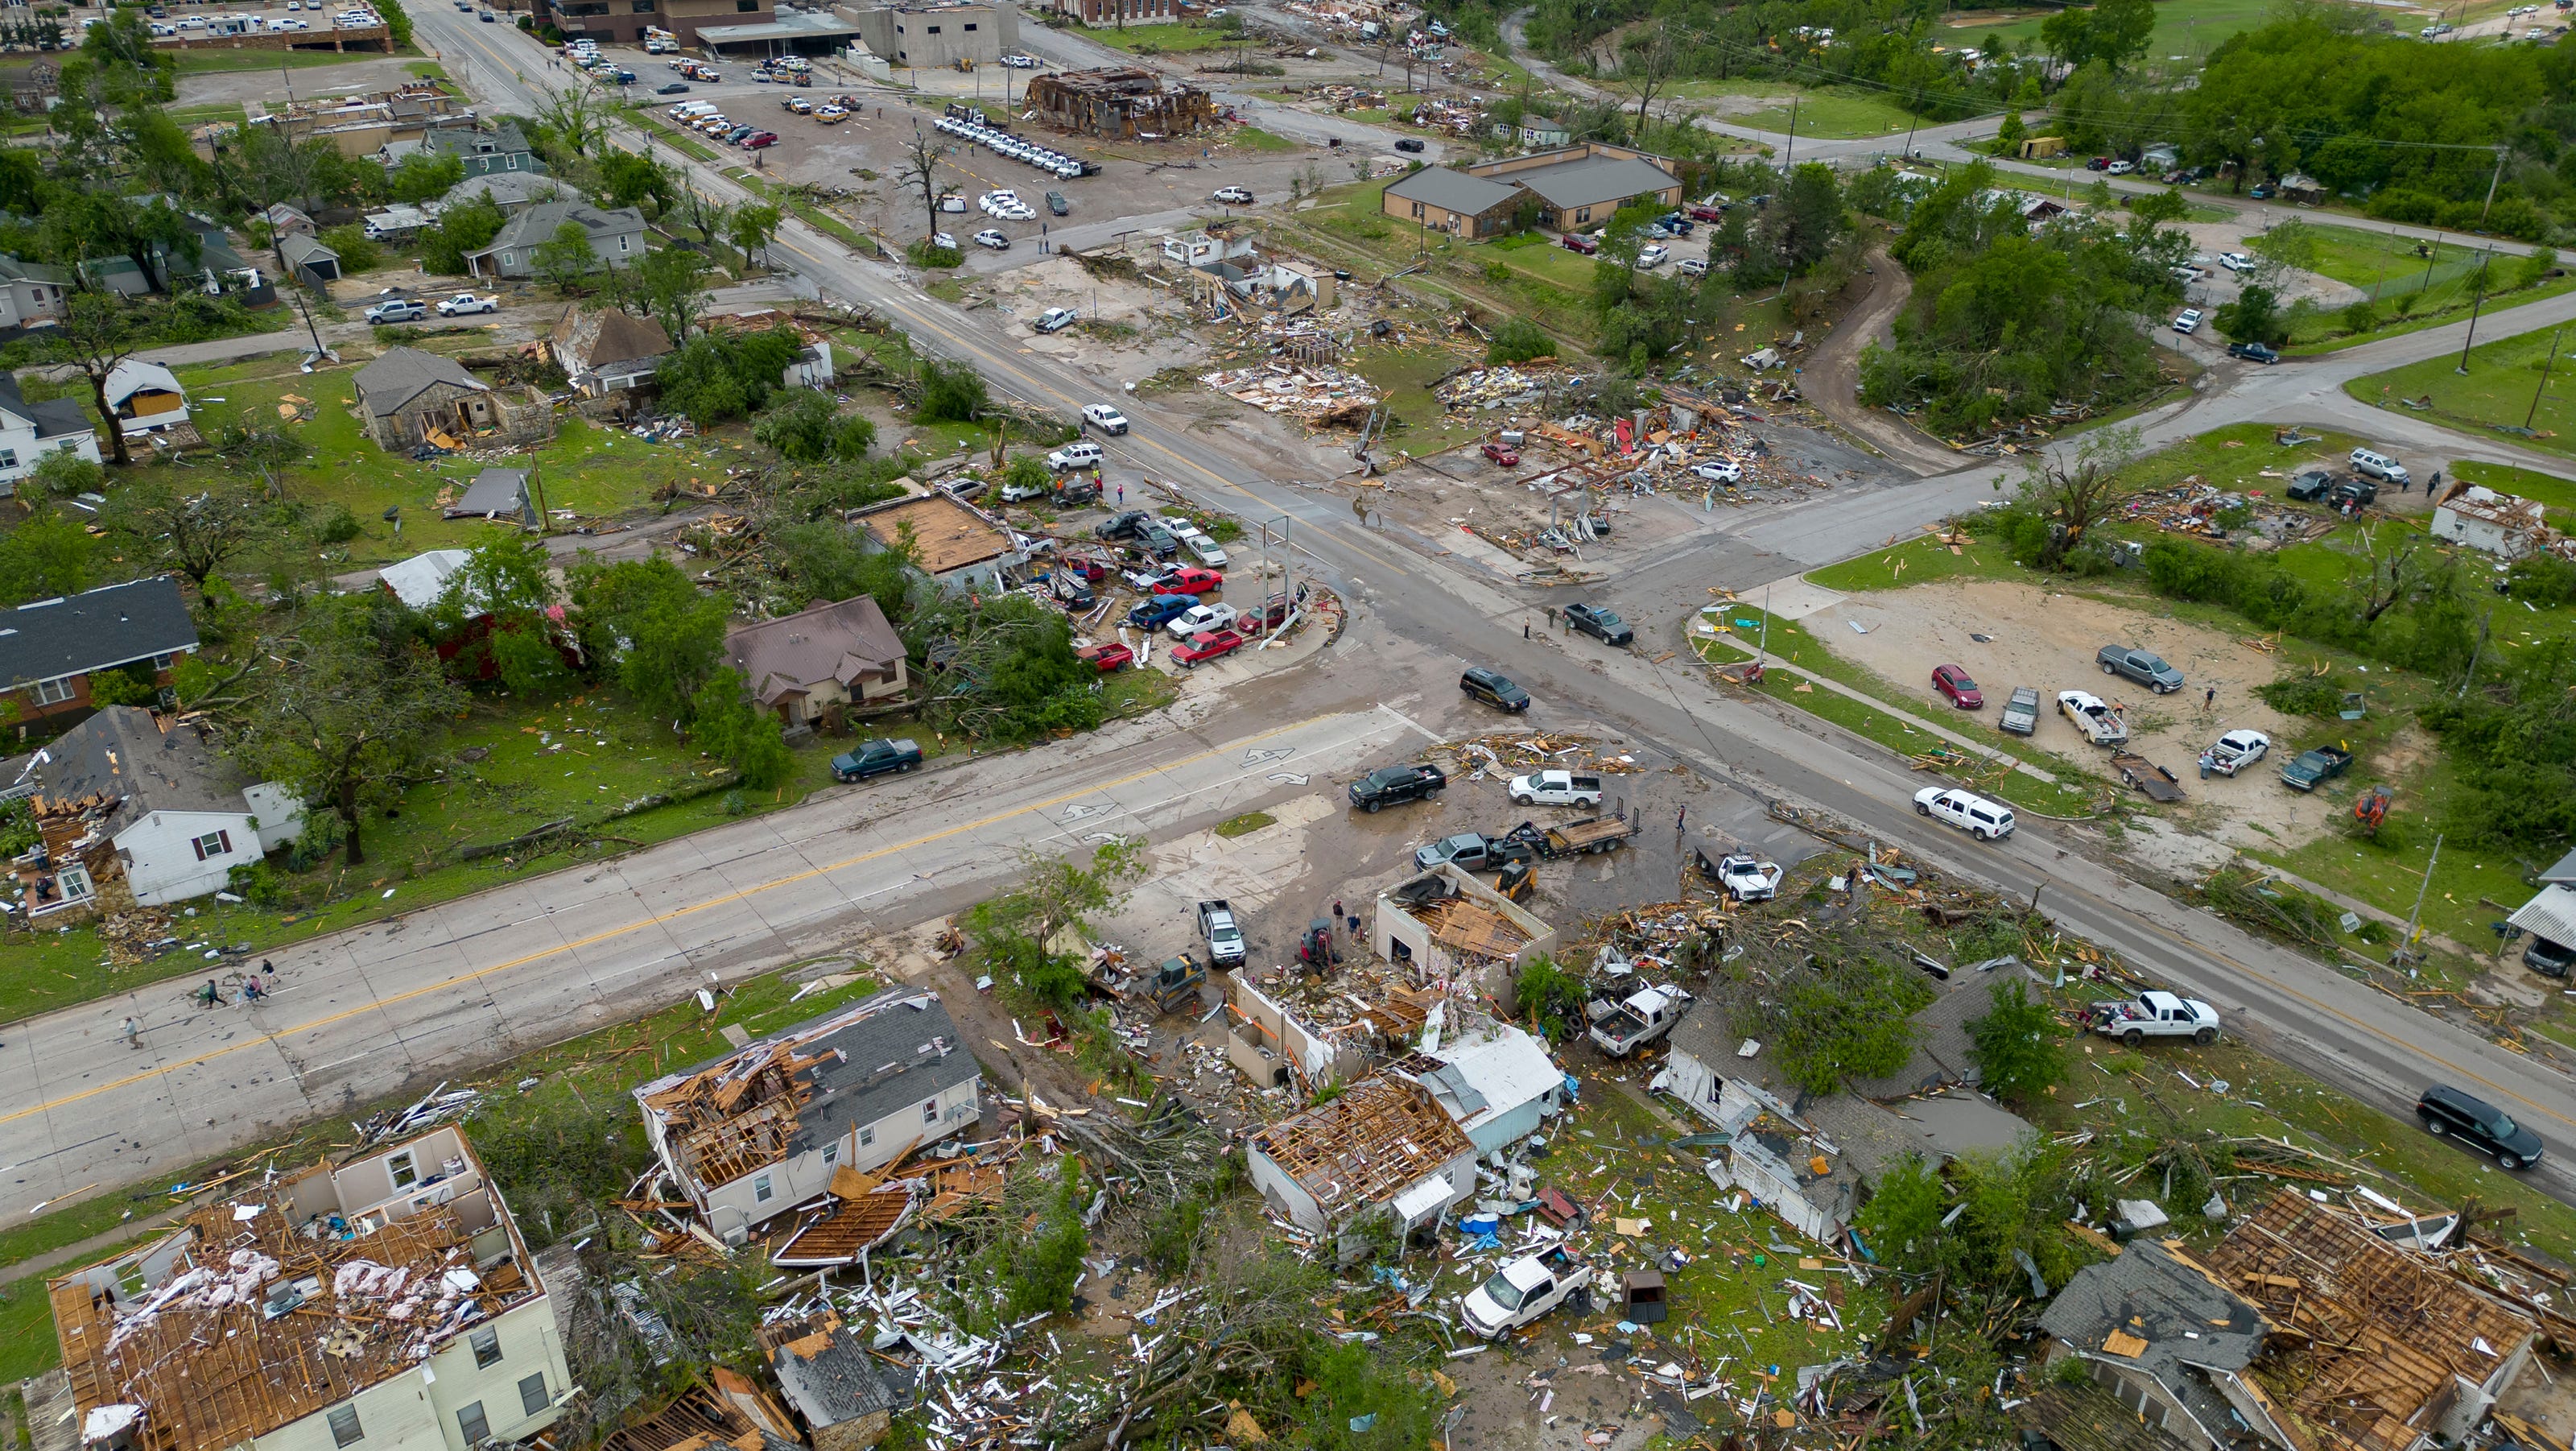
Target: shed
point(507, 495)
point(308, 260)
point(2550, 916)
point(146, 397)
point(2481, 518)
point(1447, 925)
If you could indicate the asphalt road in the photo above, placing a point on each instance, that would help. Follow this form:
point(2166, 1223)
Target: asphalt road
point(470, 982)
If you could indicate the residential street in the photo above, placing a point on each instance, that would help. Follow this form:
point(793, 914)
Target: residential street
point(449, 988)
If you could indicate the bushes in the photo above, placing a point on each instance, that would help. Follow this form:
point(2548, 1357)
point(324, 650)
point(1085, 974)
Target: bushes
point(358, 251)
point(926, 253)
point(2431, 630)
point(1550, 995)
point(1518, 340)
point(717, 377)
point(2314, 695)
point(950, 393)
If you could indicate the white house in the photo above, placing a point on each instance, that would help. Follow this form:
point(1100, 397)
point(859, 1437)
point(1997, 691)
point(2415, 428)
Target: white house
point(146, 397)
point(1384, 1145)
point(29, 431)
point(181, 817)
point(31, 293)
point(1496, 1083)
point(1446, 924)
point(2481, 518)
point(761, 1130)
point(385, 1303)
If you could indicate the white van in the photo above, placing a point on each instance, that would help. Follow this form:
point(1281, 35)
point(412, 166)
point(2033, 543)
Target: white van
point(1985, 820)
point(694, 110)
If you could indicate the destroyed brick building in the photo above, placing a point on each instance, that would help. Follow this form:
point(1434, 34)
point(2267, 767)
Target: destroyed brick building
point(1384, 1145)
point(386, 1302)
point(764, 1129)
point(1121, 104)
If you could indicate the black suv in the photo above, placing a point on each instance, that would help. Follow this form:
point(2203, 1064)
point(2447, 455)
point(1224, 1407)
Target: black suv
point(1494, 689)
point(2478, 1124)
point(1162, 541)
point(875, 758)
point(2357, 491)
point(1395, 785)
point(1119, 526)
point(2309, 485)
point(1600, 623)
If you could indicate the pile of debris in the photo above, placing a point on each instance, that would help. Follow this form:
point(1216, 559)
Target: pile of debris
point(2195, 506)
point(1486, 389)
point(1321, 396)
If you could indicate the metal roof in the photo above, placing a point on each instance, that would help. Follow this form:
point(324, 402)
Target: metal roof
point(1592, 180)
point(2551, 915)
point(1453, 191)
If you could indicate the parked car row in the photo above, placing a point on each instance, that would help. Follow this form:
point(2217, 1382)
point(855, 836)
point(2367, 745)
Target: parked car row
point(1003, 143)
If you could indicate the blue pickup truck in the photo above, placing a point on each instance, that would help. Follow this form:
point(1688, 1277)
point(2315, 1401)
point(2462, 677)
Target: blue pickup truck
point(2143, 666)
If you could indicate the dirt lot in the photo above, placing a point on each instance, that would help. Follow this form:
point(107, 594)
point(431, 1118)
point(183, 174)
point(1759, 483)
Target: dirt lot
point(2047, 640)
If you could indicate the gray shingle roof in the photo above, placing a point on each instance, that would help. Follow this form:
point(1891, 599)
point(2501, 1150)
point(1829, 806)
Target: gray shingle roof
point(1589, 181)
point(1940, 1042)
point(540, 221)
point(402, 374)
point(1453, 191)
point(2183, 1316)
point(298, 249)
point(111, 626)
point(122, 751)
point(829, 1378)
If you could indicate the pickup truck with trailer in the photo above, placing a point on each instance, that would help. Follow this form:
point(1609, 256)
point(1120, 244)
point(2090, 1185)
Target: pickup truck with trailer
point(2154, 1014)
point(2311, 767)
point(1556, 788)
point(1644, 1016)
point(2235, 751)
point(2143, 666)
point(1592, 833)
point(1523, 1290)
point(2096, 719)
point(1472, 851)
point(1224, 938)
point(2021, 713)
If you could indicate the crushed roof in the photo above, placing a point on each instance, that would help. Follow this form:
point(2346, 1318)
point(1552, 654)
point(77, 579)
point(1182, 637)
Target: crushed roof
point(112, 625)
point(825, 1371)
point(127, 753)
point(1382, 1134)
point(805, 1086)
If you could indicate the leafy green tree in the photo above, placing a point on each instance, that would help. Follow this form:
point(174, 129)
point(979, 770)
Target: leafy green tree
point(2156, 208)
point(2254, 317)
point(1016, 931)
point(1028, 471)
point(714, 378)
point(751, 227)
point(347, 713)
point(2016, 1046)
point(99, 331)
point(636, 180)
point(510, 580)
point(727, 725)
point(806, 427)
point(1550, 997)
point(1901, 1222)
point(66, 472)
point(1802, 227)
point(1517, 340)
point(565, 257)
point(950, 393)
point(127, 68)
point(1045, 1262)
point(43, 556)
point(825, 560)
point(422, 177)
point(1843, 1018)
point(673, 286)
point(358, 252)
point(464, 227)
point(653, 629)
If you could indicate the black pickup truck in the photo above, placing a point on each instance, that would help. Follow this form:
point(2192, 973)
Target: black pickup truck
point(875, 758)
point(1395, 785)
point(2311, 767)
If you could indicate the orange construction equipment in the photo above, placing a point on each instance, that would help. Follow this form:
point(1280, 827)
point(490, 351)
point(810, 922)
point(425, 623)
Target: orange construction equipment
point(2371, 809)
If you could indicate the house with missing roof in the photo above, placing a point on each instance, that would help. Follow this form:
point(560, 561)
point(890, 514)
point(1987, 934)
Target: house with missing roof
point(1384, 1146)
point(762, 1130)
point(51, 649)
point(177, 816)
point(146, 397)
point(2481, 518)
point(383, 1302)
point(955, 545)
point(811, 666)
point(828, 1377)
point(2303, 1329)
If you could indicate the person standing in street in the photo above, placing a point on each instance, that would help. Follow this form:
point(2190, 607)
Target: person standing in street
point(2209, 700)
point(132, 1033)
point(1680, 814)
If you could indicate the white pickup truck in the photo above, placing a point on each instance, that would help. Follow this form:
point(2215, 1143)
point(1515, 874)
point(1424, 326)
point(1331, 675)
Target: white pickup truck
point(1644, 1016)
point(1224, 938)
point(2156, 1014)
point(1556, 788)
point(1524, 1290)
point(2098, 719)
point(2235, 751)
point(466, 302)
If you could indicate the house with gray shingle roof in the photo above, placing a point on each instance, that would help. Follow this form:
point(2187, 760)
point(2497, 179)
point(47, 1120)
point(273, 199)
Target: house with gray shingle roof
point(616, 238)
point(407, 395)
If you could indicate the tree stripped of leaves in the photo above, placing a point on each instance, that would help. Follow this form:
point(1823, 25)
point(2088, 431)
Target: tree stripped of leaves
point(2075, 501)
point(193, 533)
point(99, 331)
point(350, 708)
point(920, 169)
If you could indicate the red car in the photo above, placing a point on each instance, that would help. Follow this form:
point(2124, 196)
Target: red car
point(1208, 646)
point(1703, 212)
point(1953, 682)
point(759, 139)
point(1577, 242)
point(1502, 454)
point(1191, 581)
point(1107, 657)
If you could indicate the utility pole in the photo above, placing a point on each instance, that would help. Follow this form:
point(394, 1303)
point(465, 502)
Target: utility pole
point(2544, 380)
point(2474, 305)
point(2491, 187)
point(2406, 946)
point(1792, 159)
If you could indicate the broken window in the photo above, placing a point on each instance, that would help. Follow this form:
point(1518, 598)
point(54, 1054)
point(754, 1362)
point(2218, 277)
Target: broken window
point(487, 1347)
point(470, 1420)
point(532, 1393)
point(345, 1430)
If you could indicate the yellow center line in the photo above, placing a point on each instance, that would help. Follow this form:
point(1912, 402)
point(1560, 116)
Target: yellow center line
point(656, 920)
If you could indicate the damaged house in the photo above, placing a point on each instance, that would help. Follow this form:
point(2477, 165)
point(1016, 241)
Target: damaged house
point(763, 1129)
point(1446, 924)
point(1123, 103)
point(134, 795)
point(1495, 1082)
point(2167, 1339)
point(1384, 1145)
point(385, 1303)
point(830, 1381)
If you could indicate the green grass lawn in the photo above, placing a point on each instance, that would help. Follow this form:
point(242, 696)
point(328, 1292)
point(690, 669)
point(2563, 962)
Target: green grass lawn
point(1149, 39)
point(1918, 561)
point(1825, 113)
point(1404, 375)
point(595, 472)
point(589, 759)
point(208, 62)
point(1253, 138)
point(2413, 292)
point(2186, 28)
point(2503, 385)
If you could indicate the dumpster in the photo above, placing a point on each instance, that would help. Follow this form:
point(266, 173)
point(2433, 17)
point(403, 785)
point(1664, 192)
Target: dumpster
point(1642, 1296)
